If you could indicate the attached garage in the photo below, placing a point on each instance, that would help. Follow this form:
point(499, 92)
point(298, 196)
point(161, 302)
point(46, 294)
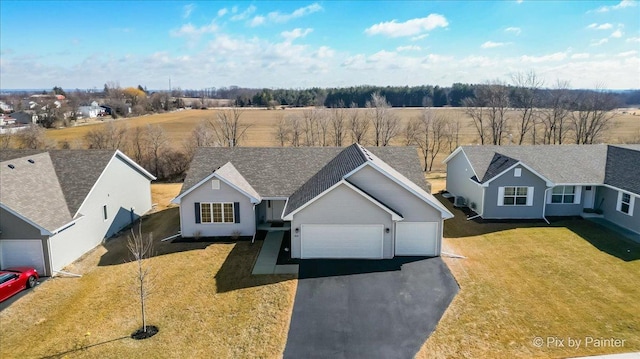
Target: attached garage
point(417, 238)
point(342, 241)
point(22, 252)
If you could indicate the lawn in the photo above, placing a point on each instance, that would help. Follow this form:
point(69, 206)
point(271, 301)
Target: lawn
point(571, 279)
point(204, 300)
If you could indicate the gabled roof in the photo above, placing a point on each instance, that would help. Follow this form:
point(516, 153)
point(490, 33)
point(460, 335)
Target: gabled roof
point(344, 164)
point(560, 164)
point(333, 172)
point(65, 177)
point(30, 190)
point(277, 172)
point(623, 168)
point(231, 176)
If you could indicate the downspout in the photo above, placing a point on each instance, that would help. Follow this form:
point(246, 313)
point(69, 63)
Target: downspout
point(544, 205)
point(255, 222)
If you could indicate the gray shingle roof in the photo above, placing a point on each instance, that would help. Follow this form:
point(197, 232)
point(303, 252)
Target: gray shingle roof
point(623, 168)
point(229, 173)
point(346, 161)
point(558, 163)
point(33, 191)
point(280, 171)
point(71, 172)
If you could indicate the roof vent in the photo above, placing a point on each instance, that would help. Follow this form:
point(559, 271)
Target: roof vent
point(11, 166)
point(31, 161)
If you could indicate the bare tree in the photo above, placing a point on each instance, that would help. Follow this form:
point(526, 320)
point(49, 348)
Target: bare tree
point(141, 249)
point(525, 95)
point(34, 137)
point(201, 136)
point(323, 128)
point(592, 115)
point(310, 119)
point(358, 125)
point(474, 108)
point(157, 142)
point(452, 133)
point(108, 136)
point(282, 131)
point(385, 124)
point(430, 130)
point(496, 95)
point(6, 140)
point(229, 128)
point(338, 119)
point(411, 130)
point(293, 124)
point(555, 114)
point(138, 146)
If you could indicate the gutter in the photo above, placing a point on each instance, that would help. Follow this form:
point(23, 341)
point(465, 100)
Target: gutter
point(544, 205)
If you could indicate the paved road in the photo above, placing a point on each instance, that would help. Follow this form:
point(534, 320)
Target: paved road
point(367, 309)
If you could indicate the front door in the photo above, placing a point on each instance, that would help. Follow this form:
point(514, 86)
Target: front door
point(274, 210)
point(589, 196)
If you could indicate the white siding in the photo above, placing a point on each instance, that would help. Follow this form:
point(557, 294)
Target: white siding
point(459, 183)
point(121, 188)
point(226, 193)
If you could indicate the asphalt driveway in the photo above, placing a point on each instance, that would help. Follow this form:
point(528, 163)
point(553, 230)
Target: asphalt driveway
point(367, 309)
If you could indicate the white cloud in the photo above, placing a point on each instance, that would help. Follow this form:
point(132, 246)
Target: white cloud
point(597, 26)
point(411, 27)
point(633, 39)
point(519, 1)
point(599, 42)
point(408, 48)
point(627, 53)
point(278, 17)
point(419, 37)
point(295, 33)
point(243, 15)
point(187, 10)
point(617, 34)
point(491, 44)
point(324, 52)
point(580, 56)
point(558, 56)
point(513, 30)
point(222, 12)
point(621, 5)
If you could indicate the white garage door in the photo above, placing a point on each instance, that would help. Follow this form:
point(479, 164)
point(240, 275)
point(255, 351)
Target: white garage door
point(22, 252)
point(342, 241)
point(416, 238)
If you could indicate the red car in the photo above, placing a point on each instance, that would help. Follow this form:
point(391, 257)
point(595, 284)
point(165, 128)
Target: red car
point(14, 280)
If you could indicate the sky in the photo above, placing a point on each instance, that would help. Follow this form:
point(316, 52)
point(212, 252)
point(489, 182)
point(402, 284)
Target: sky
point(294, 44)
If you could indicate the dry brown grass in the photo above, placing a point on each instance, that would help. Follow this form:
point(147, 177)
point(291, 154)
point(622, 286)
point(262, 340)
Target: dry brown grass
point(180, 124)
point(205, 302)
point(162, 194)
point(521, 281)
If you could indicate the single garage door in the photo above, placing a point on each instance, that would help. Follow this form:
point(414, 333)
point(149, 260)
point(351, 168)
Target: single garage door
point(342, 241)
point(22, 252)
point(416, 238)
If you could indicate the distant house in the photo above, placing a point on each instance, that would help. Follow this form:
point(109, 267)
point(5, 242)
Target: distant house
point(351, 202)
point(92, 110)
point(24, 118)
point(56, 205)
point(503, 182)
point(5, 107)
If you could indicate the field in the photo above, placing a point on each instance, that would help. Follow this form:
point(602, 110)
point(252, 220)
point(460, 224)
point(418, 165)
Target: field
point(180, 124)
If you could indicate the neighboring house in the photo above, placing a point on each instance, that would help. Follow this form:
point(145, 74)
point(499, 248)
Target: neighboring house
point(92, 110)
point(56, 205)
point(339, 202)
point(5, 107)
point(502, 182)
point(24, 118)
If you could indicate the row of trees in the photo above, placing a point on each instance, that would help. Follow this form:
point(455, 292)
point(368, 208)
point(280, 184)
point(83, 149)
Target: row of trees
point(500, 112)
point(397, 96)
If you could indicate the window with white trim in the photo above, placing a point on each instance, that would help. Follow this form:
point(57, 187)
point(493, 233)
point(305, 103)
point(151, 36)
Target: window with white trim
point(217, 213)
point(515, 196)
point(563, 194)
point(625, 203)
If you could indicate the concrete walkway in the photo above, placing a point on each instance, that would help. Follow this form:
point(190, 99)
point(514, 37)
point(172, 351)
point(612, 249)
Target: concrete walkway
point(268, 257)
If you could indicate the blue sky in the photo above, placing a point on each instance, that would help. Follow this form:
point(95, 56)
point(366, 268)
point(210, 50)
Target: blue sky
point(292, 44)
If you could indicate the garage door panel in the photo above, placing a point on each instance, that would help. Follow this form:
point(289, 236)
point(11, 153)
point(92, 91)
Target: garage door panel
point(18, 252)
point(416, 238)
point(342, 241)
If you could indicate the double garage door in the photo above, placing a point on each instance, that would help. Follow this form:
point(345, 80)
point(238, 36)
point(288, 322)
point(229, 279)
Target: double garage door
point(21, 253)
point(367, 240)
